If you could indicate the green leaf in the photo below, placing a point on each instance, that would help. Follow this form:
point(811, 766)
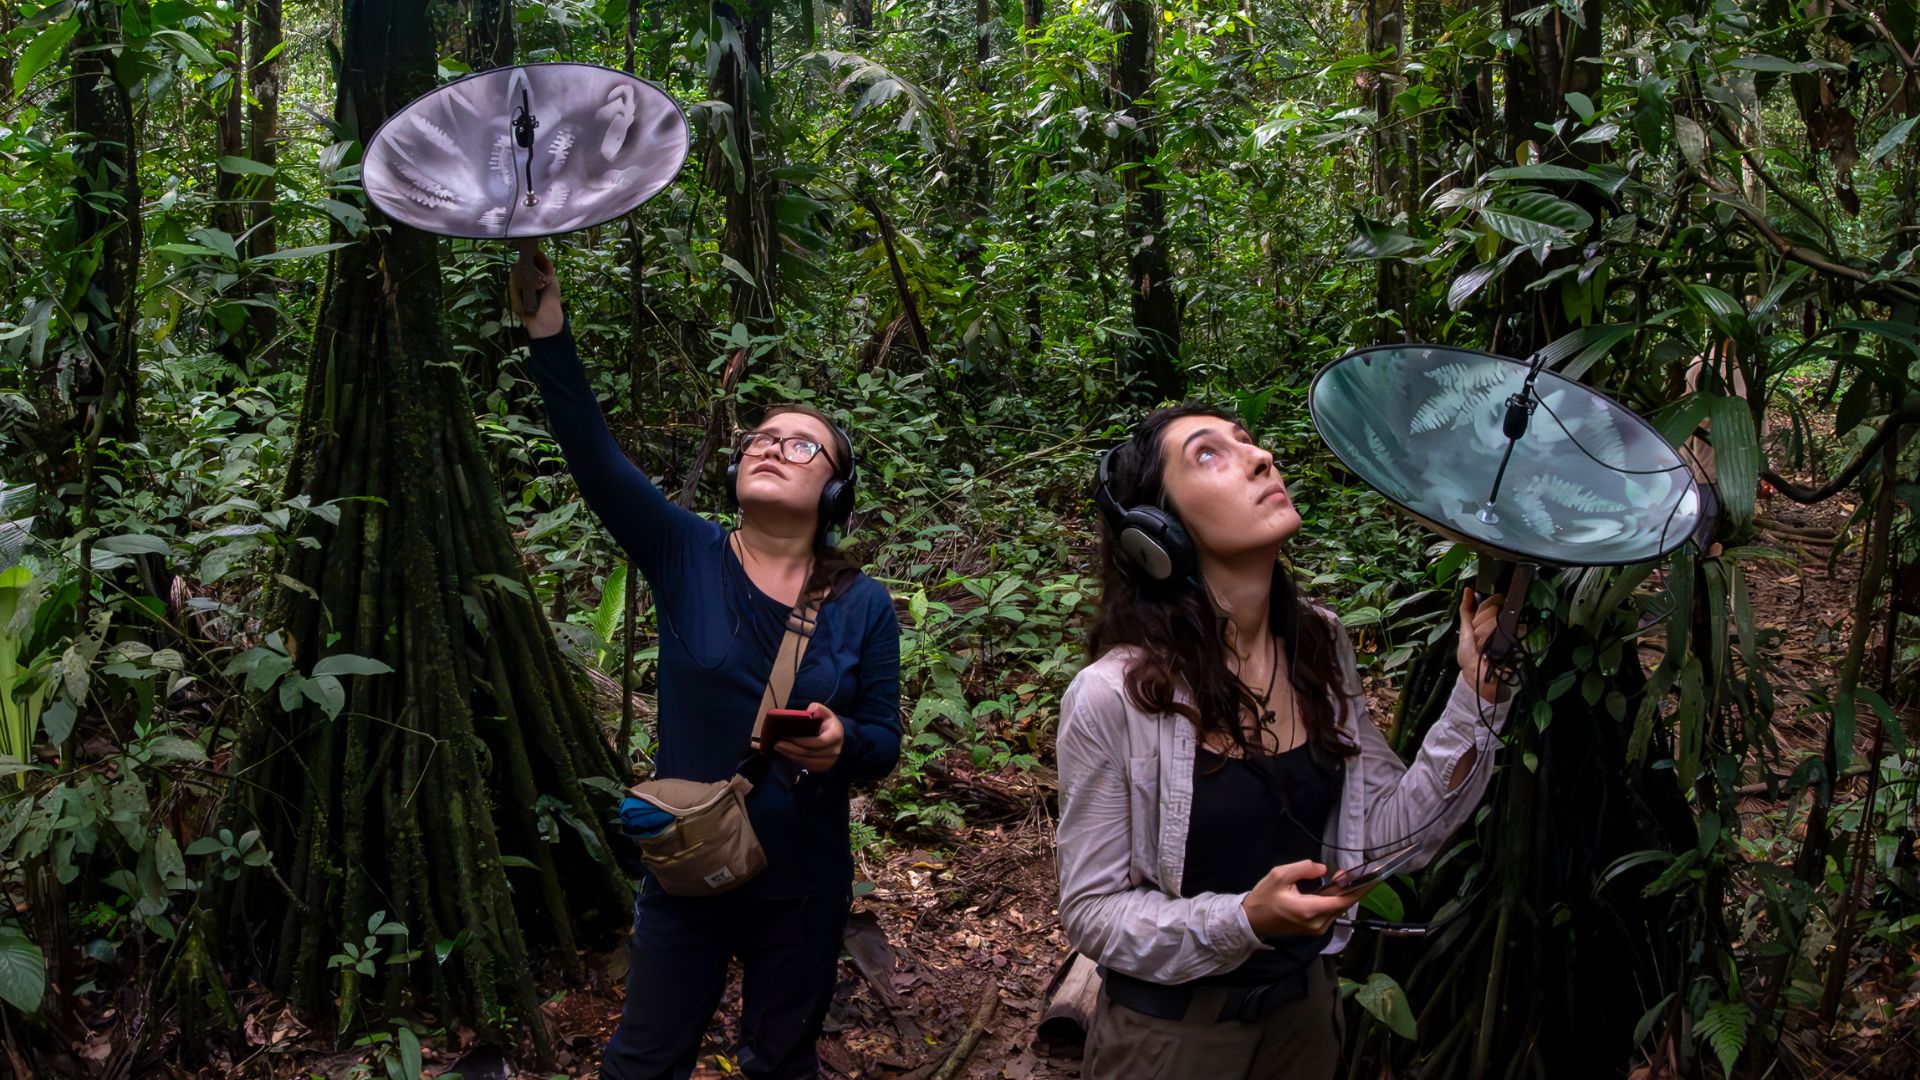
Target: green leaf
point(1736, 455)
point(410, 1063)
point(196, 251)
point(1845, 721)
point(1670, 877)
point(1724, 1028)
point(299, 252)
point(1692, 139)
point(1550, 173)
point(189, 45)
point(1382, 997)
point(1467, 284)
point(1771, 64)
point(1891, 140)
point(1378, 240)
point(57, 721)
point(1532, 218)
point(1586, 346)
point(1896, 734)
point(134, 544)
point(326, 692)
point(245, 166)
point(1726, 313)
point(37, 56)
point(1383, 901)
point(349, 664)
point(613, 604)
point(23, 971)
point(174, 748)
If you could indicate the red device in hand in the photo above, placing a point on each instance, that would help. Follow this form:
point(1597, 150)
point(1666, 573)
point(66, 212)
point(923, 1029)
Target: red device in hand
point(787, 724)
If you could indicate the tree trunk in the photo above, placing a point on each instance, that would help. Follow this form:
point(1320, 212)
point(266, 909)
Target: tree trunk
point(1032, 14)
point(860, 21)
point(228, 214)
point(475, 746)
point(1393, 285)
point(490, 37)
point(102, 225)
point(1562, 57)
point(752, 232)
point(1153, 357)
point(263, 146)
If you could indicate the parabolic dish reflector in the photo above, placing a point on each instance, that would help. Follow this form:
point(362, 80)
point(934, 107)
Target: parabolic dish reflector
point(454, 161)
point(1589, 483)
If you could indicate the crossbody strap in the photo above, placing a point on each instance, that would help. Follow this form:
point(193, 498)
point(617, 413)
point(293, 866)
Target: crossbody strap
point(786, 664)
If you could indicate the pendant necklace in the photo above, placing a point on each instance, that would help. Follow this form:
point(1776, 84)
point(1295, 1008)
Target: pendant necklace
point(1273, 676)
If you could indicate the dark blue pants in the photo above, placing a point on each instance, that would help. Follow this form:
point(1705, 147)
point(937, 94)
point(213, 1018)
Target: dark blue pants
point(789, 953)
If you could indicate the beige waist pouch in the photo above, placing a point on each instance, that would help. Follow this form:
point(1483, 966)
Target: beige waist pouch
point(711, 847)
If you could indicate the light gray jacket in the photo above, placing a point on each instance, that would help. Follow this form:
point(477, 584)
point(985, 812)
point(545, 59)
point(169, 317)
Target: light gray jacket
point(1126, 793)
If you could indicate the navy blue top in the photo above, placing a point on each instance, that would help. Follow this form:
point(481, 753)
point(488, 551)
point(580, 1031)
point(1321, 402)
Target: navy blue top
point(718, 637)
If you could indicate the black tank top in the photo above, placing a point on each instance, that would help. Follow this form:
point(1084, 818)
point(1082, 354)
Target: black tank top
point(1249, 816)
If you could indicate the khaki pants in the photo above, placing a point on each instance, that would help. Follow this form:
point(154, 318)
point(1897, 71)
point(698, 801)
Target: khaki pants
point(1301, 1040)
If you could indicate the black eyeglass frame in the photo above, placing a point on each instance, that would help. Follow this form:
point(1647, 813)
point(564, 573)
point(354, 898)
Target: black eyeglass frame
point(744, 445)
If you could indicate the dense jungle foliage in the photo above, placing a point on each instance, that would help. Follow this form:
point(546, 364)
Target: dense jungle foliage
point(312, 662)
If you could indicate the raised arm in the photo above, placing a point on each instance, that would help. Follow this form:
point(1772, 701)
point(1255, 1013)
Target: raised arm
point(650, 527)
point(1426, 801)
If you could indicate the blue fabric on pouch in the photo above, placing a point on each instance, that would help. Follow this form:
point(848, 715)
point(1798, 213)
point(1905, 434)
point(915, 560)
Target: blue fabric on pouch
point(642, 817)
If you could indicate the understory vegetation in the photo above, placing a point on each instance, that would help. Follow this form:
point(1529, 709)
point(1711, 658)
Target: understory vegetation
point(317, 676)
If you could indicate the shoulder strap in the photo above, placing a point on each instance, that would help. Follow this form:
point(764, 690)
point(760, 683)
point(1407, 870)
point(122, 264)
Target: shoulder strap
point(786, 664)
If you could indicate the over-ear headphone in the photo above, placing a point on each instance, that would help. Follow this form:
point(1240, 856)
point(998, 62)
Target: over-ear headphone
point(1151, 538)
point(836, 495)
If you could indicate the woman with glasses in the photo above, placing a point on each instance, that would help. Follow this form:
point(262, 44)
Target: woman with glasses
point(723, 598)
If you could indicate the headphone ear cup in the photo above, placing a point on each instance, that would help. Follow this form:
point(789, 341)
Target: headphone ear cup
point(733, 479)
point(1157, 543)
point(836, 503)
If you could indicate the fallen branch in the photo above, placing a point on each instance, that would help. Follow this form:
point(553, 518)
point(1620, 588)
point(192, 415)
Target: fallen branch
point(1907, 413)
point(1795, 532)
point(982, 1016)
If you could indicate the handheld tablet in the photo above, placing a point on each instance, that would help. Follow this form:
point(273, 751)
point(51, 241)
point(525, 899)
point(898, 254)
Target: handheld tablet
point(1358, 879)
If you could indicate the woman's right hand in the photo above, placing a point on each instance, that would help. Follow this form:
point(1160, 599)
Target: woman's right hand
point(1277, 906)
point(533, 272)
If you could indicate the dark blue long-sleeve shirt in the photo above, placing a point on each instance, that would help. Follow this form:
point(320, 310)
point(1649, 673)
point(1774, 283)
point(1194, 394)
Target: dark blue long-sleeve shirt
point(718, 637)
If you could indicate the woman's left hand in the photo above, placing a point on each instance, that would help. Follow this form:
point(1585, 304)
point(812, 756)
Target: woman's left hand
point(815, 753)
point(1477, 622)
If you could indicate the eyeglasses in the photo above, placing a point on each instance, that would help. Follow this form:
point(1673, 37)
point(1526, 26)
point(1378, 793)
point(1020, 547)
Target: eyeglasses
point(797, 449)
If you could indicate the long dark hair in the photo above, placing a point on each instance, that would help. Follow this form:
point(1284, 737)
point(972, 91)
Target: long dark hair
point(834, 564)
point(1180, 638)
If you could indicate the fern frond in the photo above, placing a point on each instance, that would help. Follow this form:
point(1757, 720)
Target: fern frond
point(1724, 1028)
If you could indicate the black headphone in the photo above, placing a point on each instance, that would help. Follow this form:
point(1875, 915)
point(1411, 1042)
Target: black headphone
point(836, 495)
point(1150, 537)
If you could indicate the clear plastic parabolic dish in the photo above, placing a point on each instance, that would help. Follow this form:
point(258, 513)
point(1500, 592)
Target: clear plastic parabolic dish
point(451, 162)
point(1589, 484)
